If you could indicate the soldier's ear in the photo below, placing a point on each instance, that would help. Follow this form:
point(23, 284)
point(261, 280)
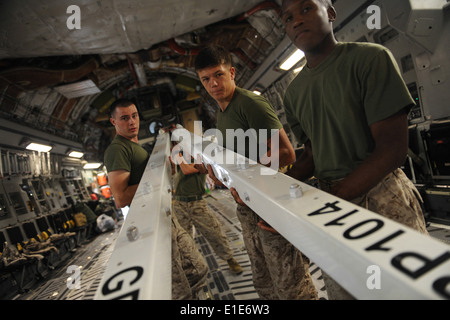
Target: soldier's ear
point(331, 14)
point(232, 72)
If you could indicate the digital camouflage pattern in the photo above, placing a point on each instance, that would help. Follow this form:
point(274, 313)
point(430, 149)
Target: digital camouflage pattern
point(197, 213)
point(189, 268)
point(280, 271)
point(396, 198)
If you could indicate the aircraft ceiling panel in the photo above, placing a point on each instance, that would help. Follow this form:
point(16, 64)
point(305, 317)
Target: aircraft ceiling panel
point(31, 28)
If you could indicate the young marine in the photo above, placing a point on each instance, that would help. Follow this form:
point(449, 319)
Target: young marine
point(349, 107)
point(125, 161)
point(279, 270)
point(191, 209)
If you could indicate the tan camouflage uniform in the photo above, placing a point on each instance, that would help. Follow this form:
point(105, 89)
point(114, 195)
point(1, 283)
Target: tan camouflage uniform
point(279, 270)
point(189, 268)
point(396, 198)
point(197, 213)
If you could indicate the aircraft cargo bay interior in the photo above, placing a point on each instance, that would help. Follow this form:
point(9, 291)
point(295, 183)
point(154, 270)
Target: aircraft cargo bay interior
point(117, 180)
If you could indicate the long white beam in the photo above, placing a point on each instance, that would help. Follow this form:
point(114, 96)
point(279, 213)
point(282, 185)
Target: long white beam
point(370, 256)
point(140, 266)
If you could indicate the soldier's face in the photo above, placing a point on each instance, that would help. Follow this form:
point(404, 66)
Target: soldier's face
point(218, 81)
point(126, 121)
point(307, 22)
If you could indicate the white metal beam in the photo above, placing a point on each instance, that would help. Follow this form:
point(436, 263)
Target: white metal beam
point(354, 246)
point(140, 265)
point(370, 256)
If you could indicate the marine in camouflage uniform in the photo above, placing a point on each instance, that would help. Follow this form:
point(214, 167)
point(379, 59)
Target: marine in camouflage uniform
point(189, 270)
point(280, 271)
point(125, 156)
point(197, 213)
point(192, 210)
point(349, 107)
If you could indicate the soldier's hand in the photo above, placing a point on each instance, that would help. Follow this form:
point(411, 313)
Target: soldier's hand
point(200, 166)
point(265, 226)
point(236, 197)
point(211, 174)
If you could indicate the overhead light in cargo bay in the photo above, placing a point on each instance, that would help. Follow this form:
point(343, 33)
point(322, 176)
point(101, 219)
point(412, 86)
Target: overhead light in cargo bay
point(78, 89)
point(258, 89)
point(92, 165)
point(76, 154)
point(297, 70)
point(38, 147)
point(292, 60)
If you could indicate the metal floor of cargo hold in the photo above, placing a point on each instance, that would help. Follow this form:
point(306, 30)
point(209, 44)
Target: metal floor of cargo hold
point(91, 259)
